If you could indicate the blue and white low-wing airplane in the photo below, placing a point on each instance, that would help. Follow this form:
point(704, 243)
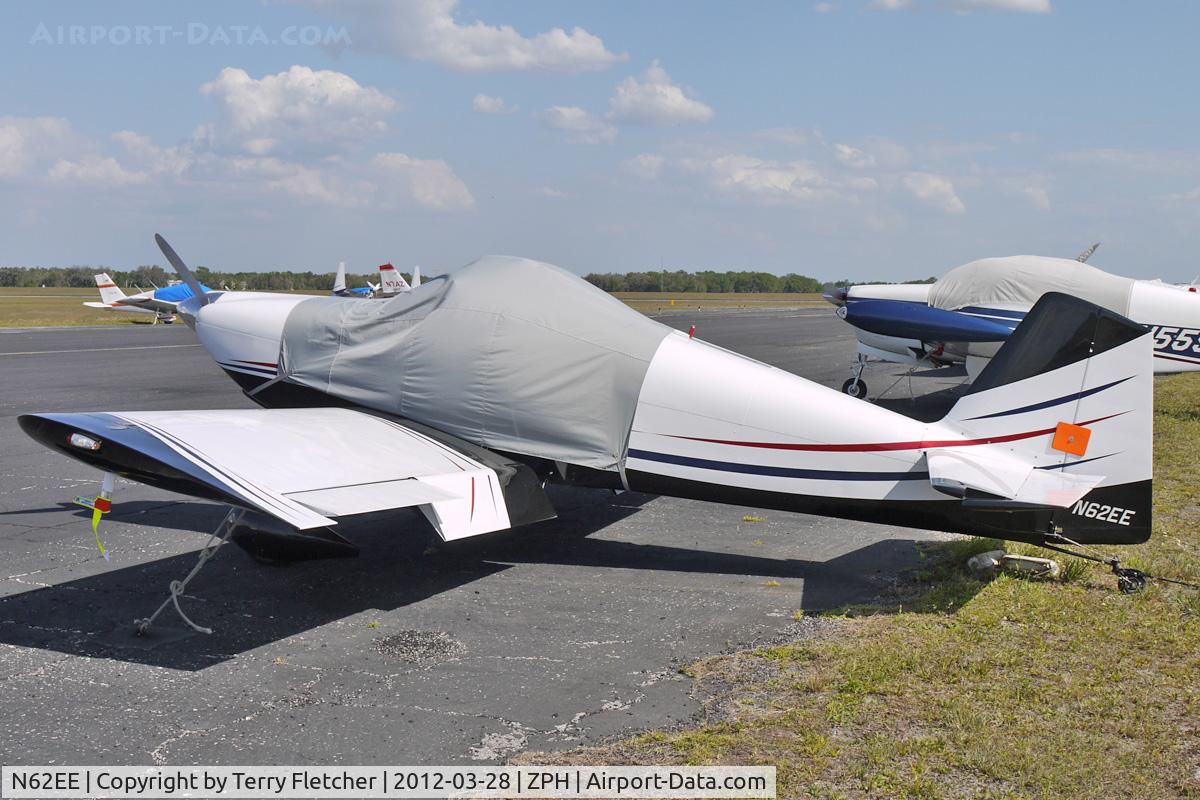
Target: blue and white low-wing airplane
point(341, 290)
point(973, 309)
point(465, 396)
point(162, 303)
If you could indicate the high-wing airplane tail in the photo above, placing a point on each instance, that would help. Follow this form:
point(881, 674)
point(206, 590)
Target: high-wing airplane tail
point(1061, 418)
point(110, 293)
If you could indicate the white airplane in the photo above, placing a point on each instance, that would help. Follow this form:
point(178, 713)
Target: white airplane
point(162, 303)
point(390, 283)
point(463, 399)
point(971, 311)
point(340, 289)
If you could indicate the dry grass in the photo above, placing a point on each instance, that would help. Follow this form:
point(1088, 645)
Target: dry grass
point(1012, 688)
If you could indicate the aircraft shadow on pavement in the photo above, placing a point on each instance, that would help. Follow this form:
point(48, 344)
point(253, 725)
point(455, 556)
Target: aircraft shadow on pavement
point(250, 604)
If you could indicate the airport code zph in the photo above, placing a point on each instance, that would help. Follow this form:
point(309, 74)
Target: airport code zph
point(399, 782)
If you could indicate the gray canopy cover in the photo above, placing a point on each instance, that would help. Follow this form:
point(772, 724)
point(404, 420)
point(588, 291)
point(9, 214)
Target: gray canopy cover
point(509, 353)
point(1017, 282)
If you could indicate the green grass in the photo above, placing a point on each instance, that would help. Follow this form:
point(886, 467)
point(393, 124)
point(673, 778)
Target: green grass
point(33, 308)
point(1013, 688)
point(39, 308)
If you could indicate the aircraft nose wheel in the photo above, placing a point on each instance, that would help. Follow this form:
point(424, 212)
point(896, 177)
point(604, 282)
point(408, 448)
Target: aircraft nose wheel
point(855, 388)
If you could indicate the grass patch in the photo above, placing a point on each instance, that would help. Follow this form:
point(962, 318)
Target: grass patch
point(41, 308)
point(1013, 688)
point(35, 308)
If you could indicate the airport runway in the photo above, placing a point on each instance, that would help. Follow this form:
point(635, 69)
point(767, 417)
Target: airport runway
point(566, 633)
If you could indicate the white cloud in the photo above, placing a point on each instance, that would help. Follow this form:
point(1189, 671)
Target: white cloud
point(967, 6)
point(159, 160)
point(1038, 196)
point(95, 170)
point(793, 137)
point(582, 127)
point(1191, 195)
point(1018, 6)
point(550, 191)
point(432, 183)
point(315, 107)
point(654, 100)
point(824, 8)
point(429, 30)
point(483, 104)
point(853, 157)
point(763, 179)
point(935, 190)
point(646, 166)
point(26, 141)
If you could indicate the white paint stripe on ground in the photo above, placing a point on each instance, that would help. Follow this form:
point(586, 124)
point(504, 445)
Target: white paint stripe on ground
point(99, 349)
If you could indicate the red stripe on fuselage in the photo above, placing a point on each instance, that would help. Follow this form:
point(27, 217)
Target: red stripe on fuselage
point(257, 363)
point(874, 447)
point(1177, 358)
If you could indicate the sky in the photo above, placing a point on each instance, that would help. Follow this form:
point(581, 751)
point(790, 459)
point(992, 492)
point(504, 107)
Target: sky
point(869, 139)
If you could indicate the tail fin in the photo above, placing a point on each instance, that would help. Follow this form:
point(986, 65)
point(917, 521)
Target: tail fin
point(390, 281)
point(109, 291)
point(339, 283)
point(416, 275)
point(1060, 420)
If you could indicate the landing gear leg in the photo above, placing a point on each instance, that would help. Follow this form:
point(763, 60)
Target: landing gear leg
point(855, 387)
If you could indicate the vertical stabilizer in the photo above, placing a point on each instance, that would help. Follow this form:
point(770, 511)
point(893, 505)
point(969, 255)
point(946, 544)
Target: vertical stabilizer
point(110, 293)
point(390, 281)
point(1070, 397)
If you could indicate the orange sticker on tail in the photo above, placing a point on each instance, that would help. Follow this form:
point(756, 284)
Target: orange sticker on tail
point(1071, 439)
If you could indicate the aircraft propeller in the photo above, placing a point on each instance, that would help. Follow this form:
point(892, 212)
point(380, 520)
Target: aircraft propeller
point(182, 269)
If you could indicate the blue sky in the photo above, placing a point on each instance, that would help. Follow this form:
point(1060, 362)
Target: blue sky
point(878, 139)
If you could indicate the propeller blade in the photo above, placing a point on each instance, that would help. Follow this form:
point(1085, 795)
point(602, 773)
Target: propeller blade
point(1086, 254)
point(835, 295)
point(181, 268)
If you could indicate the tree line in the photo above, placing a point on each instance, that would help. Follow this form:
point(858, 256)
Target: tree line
point(712, 281)
point(148, 276)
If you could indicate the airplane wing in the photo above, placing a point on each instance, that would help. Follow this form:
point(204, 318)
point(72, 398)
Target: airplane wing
point(305, 466)
point(148, 304)
point(955, 470)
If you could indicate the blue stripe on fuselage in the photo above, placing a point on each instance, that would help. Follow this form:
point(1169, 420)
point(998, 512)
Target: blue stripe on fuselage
point(777, 472)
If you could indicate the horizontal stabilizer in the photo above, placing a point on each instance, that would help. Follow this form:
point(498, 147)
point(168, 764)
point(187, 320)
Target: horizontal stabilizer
point(957, 471)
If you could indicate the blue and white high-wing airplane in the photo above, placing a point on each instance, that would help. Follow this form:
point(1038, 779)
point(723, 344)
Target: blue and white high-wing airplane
point(973, 309)
point(465, 396)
